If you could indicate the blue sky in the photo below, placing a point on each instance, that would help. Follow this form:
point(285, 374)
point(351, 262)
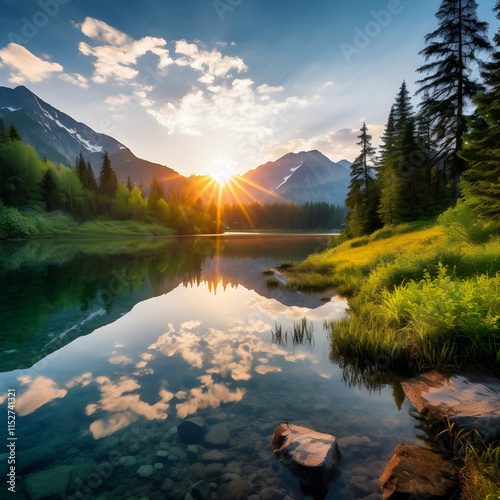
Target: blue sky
point(204, 86)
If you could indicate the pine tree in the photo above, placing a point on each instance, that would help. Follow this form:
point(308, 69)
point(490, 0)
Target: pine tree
point(3, 132)
point(129, 184)
point(450, 52)
point(108, 182)
point(49, 190)
point(92, 183)
point(362, 217)
point(400, 164)
point(14, 134)
point(155, 194)
point(481, 183)
point(81, 171)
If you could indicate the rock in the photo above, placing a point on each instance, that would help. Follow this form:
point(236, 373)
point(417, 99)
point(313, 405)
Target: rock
point(48, 483)
point(254, 497)
point(128, 460)
point(353, 441)
point(270, 494)
point(312, 456)
point(158, 466)
point(471, 402)
point(240, 488)
point(417, 473)
point(218, 436)
point(192, 452)
point(162, 455)
point(191, 430)
point(178, 452)
point(145, 470)
point(213, 456)
point(201, 491)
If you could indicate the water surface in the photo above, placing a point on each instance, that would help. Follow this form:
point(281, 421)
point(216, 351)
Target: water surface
point(111, 344)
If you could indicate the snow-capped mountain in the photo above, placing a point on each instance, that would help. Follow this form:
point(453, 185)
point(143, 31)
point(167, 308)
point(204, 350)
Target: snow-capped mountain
point(61, 138)
point(299, 178)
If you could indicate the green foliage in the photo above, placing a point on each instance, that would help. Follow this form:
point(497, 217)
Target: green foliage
point(481, 473)
point(108, 183)
point(462, 223)
point(273, 282)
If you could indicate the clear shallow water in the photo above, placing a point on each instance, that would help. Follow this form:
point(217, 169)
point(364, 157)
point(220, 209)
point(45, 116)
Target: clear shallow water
point(129, 338)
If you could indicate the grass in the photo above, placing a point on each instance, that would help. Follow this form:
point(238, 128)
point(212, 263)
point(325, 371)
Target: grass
point(413, 295)
point(481, 473)
point(15, 224)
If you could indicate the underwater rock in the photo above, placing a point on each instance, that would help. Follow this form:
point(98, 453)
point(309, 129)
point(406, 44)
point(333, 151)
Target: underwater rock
point(471, 401)
point(201, 491)
point(239, 488)
point(218, 436)
point(145, 470)
point(312, 456)
point(48, 483)
point(417, 473)
point(191, 430)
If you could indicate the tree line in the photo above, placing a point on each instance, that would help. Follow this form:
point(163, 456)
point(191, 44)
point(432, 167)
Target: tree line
point(27, 181)
point(437, 154)
point(316, 215)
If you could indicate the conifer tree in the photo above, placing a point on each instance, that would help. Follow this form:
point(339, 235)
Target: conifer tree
point(49, 190)
point(92, 183)
point(361, 218)
point(481, 183)
point(3, 132)
point(129, 184)
point(108, 182)
point(14, 134)
point(450, 52)
point(81, 171)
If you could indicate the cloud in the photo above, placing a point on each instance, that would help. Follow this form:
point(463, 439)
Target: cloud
point(328, 84)
point(75, 79)
point(212, 64)
point(267, 89)
point(25, 66)
point(117, 100)
point(117, 53)
point(336, 144)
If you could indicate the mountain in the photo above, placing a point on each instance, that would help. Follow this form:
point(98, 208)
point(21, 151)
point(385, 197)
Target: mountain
point(299, 178)
point(61, 139)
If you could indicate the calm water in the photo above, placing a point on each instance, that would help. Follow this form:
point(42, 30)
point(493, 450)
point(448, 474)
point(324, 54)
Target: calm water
point(109, 345)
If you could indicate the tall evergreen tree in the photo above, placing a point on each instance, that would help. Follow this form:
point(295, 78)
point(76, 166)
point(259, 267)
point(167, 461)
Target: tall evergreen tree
point(362, 217)
point(49, 190)
point(91, 182)
point(450, 52)
point(482, 151)
point(3, 132)
point(129, 184)
point(400, 165)
point(81, 171)
point(14, 134)
point(108, 182)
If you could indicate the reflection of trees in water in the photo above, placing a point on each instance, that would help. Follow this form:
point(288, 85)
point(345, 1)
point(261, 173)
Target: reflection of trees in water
point(36, 278)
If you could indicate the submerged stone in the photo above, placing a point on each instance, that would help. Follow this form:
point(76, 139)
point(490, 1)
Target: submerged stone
point(472, 401)
point(417, 473)
point(50, 483)
point(311, 456)
point(218, 436)
point(191, 430)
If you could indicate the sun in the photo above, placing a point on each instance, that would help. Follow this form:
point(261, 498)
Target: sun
point(222, 178)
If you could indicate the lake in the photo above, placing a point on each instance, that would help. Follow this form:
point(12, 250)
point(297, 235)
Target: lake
point(110, 344)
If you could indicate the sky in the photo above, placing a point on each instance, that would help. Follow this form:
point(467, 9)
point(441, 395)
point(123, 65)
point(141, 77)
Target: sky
point(210, 86)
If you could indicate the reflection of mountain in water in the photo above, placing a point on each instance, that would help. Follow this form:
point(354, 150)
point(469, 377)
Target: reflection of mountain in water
point(52, 292)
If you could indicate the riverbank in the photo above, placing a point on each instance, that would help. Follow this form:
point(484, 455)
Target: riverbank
point(417, 301)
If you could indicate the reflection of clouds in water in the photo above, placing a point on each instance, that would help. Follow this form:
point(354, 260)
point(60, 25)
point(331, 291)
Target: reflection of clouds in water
point(40, 391)
point(120, 359)
point(231, 354)
point(82, 380)
point(263, 369)
point(115, 398)
point(209, 394)
point(335, 309)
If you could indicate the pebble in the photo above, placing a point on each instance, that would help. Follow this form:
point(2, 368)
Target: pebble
point(145, 470)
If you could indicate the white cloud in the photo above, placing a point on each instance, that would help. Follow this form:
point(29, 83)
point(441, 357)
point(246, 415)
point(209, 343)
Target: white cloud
point(337, 144)
point(328, 84)
point(75, 79)
point(212, 64)
point(117, 100)
point(25, 66)
point(117, 53)
point(267, 89)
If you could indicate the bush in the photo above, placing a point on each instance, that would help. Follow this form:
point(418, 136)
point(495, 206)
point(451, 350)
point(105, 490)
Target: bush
point(14, 224)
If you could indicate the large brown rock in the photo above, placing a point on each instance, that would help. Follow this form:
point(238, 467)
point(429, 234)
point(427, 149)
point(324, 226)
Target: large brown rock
point(417, 473)
point(471, 401)
point(311, 456)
